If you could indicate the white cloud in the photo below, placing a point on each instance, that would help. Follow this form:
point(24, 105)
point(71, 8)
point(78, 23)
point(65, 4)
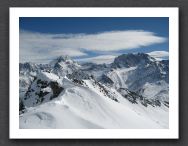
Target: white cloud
point(159, 54)
point(70, 52)
point(99, 59)
point(45, 45)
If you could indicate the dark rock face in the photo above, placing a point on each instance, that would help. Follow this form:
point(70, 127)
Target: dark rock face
point(142, 75)
point(164, 65)
point(38, 94)
point(56, 89)
point(106, 80)
point(21, 106)
point(135, 98)
point(79, 75)
point(107, 92)
point(130, 60)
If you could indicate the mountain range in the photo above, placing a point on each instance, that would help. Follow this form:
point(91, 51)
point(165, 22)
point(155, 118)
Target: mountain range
point(130, 92)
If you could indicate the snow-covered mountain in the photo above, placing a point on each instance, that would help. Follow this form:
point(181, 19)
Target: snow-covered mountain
point(139, 73)
point(64, 65)
point(128, 93)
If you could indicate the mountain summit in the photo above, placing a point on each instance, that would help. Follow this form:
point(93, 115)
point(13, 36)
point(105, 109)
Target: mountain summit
point(131, 60)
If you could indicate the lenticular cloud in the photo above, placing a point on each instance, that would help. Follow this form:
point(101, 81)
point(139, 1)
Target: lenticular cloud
point(53, 44)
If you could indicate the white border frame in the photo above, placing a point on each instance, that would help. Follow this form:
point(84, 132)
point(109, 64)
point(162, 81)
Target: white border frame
point(171, 133)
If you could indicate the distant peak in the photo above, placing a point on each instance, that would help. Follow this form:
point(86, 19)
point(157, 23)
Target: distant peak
point(59, 59)
point(63, 58)
point(27, 66)
point(132, 56)
point(131, 59)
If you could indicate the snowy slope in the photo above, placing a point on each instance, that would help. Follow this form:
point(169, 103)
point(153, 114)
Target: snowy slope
point(120, 76)
point(85, 106)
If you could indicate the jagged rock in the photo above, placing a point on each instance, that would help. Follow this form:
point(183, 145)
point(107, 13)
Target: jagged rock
point(130, 60)
point(44, 88)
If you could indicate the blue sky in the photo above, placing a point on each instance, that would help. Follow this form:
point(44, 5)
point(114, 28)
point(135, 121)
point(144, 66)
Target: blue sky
point(42, 39)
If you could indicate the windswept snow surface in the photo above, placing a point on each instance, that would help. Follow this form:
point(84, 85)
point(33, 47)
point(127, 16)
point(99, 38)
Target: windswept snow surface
point(81, 107)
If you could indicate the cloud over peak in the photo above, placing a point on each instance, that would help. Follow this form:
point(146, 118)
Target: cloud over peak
point(159, 54)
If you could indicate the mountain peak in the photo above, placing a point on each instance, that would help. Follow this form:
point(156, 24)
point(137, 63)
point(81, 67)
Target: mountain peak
point(63, 58)
point(130, 60)
point(60, 59)
point(29, 66)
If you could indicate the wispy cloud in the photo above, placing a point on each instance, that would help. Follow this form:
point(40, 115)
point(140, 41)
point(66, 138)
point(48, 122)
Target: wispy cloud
point(99, 59)
point(34, 46)
point(159, 54)
point(68, 51)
